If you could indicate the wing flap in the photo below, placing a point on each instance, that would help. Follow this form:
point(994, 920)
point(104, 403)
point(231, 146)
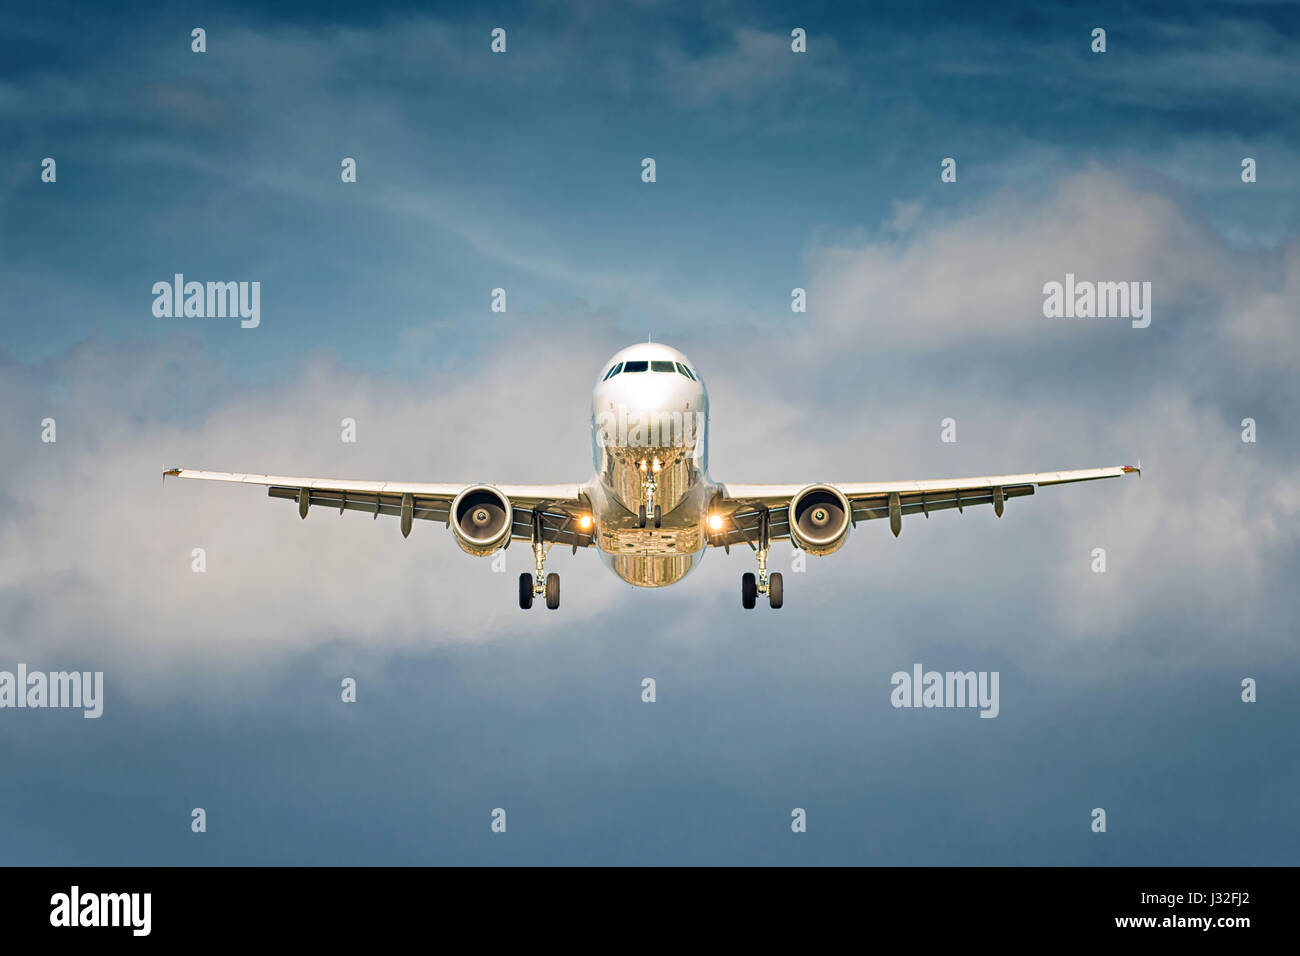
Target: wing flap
point(426, 509)
point(869, 508)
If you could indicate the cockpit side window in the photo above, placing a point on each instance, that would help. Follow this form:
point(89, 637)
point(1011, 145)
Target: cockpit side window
point(661, 366)
point(685, 371)
point(618, 367)
point(635, 366)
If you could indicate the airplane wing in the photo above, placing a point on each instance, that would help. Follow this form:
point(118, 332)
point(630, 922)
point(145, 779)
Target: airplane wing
point(560, 509)
point(741, 509)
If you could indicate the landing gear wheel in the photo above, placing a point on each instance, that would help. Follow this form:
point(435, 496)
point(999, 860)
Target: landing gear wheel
point(525, 591)
point(748, 590)
point(552, 590)
point(774, 595)
point(640, 517)
point(659, 515)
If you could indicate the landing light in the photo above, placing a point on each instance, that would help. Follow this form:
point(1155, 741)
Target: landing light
point(584, 522)
point(715, 522)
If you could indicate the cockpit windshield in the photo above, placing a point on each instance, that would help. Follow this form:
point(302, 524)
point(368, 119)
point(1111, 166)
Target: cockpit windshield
point(651, 365)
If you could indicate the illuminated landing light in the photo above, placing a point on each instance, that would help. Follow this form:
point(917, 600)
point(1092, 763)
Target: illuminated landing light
point(584, 522)
point(715, 522)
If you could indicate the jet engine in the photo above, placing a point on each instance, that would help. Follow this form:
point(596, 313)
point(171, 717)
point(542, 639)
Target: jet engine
point(819, 519)
point(481, 518)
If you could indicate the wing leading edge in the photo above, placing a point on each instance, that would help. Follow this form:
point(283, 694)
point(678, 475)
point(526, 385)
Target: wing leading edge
point(560, 507)
point(740, 507)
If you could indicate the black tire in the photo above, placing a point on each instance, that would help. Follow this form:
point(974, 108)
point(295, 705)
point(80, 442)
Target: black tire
point(748, 590)
point(775, 597)
point(659, 515)
point(640, 517)
point(552, 590)
point(525, 591)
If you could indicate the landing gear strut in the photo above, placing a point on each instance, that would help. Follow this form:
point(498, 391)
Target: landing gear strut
point(542, 584)
point(764, 583)
point(650, 509)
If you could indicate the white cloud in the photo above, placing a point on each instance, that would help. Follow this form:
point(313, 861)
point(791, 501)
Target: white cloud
point(980, 277)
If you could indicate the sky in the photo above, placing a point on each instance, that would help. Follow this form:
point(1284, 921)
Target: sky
point(775, 170)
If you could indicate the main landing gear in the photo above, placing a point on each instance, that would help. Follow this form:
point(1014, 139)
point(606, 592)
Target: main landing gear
point(543, 584)
point(752, 586)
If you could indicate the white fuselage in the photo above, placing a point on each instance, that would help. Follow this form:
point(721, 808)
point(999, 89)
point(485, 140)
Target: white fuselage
point(650, 448)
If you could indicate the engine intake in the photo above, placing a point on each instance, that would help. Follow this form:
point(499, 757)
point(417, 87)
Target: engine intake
point(820, 517)
point(481, 518)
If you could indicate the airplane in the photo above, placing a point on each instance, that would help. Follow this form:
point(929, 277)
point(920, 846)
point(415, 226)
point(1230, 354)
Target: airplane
point(650, 509)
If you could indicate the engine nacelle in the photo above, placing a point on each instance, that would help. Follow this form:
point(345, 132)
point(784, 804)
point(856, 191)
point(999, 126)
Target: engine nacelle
point(820, 518)
point(481, 518)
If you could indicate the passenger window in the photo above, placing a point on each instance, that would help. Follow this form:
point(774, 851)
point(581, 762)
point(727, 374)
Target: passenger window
point(685, 371)
point(658, 366)
point(635, 366)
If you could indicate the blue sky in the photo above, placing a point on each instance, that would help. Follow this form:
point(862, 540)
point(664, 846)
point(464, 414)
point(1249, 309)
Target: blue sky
point(775, 170)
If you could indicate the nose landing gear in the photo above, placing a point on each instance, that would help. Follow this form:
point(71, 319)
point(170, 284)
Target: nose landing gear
point(649, 508)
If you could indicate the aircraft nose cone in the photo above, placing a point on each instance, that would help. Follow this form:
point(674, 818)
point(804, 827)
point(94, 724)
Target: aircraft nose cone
point(660, 392)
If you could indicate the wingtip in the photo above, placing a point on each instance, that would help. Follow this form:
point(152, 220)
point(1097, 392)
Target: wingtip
point(1134, 469)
